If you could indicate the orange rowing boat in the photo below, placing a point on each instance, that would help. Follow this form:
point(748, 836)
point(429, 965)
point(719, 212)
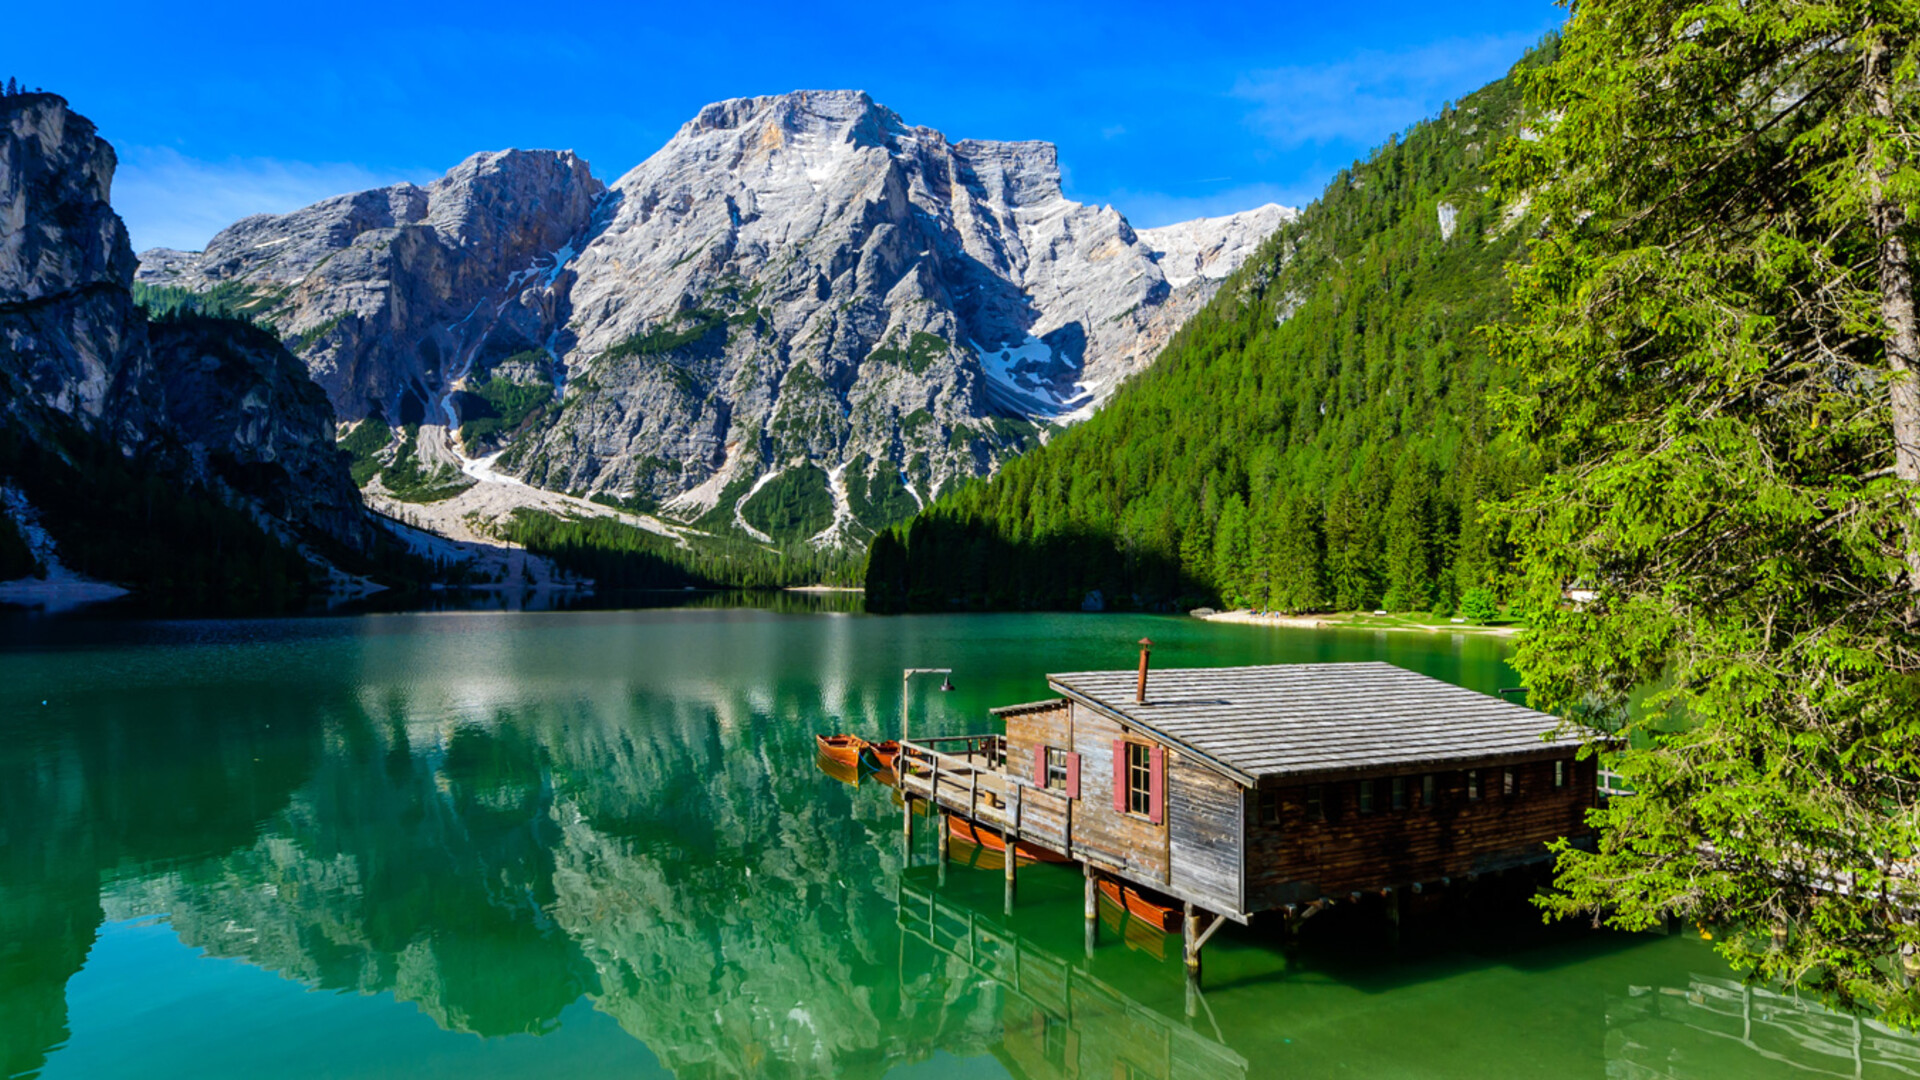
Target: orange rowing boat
point(844, 749)
point(963, 829)
point(887, 752)
point(1164, 916)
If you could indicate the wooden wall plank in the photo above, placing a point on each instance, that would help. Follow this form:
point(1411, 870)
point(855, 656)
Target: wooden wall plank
point(1203, 810)
point(1301, 859)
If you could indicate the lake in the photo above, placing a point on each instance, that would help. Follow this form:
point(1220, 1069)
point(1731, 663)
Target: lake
point(597, 843)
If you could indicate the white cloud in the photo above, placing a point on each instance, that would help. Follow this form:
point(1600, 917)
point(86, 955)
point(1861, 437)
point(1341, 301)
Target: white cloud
point(170, 200)
point(1367, 96)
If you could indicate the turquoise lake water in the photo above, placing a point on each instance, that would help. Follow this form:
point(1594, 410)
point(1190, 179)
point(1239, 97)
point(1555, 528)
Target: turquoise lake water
point(598, 844)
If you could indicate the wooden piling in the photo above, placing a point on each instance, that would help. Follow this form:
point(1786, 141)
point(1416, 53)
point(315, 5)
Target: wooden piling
point(1190, 940)
point(1093, 911)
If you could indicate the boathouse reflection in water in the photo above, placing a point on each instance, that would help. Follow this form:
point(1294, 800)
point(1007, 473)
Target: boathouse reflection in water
point(514, 827)
point(1058, 1019)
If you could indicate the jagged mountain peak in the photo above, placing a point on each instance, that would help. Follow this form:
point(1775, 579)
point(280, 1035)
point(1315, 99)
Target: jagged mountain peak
point(802, 316)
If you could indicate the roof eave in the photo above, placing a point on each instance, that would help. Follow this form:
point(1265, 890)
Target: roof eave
point(1239, 775)
point(1026, 707)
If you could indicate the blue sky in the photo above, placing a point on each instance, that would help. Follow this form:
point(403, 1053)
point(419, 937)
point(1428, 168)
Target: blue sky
point(1165, 111)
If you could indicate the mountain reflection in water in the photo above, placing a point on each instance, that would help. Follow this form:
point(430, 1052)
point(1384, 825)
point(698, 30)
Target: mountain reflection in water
point(520, 824)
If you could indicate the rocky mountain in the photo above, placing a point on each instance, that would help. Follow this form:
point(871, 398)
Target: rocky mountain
point(71, 340)
point(392, 294)
point(1318, 438)
point(101, 409)
point(801, 318)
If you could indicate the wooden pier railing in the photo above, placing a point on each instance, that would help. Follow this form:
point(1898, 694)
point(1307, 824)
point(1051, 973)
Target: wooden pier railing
point(967, 774)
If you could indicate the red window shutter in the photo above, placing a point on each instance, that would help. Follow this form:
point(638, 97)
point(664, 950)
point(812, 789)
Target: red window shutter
point(1157, 781)
point(1119, 776)
point(1073, 776)
point(1040, 766)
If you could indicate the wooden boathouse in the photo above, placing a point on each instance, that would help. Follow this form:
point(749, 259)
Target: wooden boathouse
point(1289, 788)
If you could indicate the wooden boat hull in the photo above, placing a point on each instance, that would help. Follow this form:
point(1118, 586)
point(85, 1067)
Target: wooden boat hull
point(839, 770)
point(972, 833)
point(844, 749)
point(1161, 915)
point(888, 751)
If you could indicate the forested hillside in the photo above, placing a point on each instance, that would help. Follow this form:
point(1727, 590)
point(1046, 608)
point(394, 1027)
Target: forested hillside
point(1317, 437)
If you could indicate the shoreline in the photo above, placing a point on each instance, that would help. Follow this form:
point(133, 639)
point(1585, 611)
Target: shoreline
point(1245, 617)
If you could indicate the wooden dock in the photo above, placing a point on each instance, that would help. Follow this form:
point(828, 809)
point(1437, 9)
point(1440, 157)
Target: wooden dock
point(1227, 792)
point(966, 775)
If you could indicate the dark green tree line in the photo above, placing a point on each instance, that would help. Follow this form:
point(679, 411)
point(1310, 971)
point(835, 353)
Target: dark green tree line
point(1317, 436)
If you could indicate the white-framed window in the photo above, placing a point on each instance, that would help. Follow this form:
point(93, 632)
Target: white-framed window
point(1366, 797)
point(1473, 783)
point(1056, 769)
point(1559, 774)
point(1508, 783)
point(1139, 778)
point(1316, 802)
point(1397, 792)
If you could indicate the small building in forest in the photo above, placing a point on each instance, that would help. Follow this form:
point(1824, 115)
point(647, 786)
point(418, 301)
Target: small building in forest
point(1248, 789)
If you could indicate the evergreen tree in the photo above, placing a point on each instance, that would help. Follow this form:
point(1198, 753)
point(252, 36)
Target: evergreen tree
point(1342, 350)
point(1230, 554)
point(1717, 353)
point(1353, 550)
point(1299, 558)
point(1410, 528)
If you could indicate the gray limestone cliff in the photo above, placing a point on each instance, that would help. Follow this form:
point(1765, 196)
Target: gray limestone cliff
point(800, 319)
point(391, 295)
point(197, 400)
point(71, 340)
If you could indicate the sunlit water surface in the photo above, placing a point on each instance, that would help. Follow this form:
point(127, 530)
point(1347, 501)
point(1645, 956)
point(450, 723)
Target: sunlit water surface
point(597, 844)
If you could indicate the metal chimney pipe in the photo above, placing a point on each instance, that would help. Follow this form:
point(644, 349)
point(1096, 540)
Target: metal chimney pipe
point(1140, 691)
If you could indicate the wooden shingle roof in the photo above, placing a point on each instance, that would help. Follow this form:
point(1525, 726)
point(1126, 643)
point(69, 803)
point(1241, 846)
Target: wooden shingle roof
point(1298, 720)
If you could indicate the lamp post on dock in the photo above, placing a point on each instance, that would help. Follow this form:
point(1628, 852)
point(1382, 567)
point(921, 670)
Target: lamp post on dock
point(906, 679)
point(906, 800)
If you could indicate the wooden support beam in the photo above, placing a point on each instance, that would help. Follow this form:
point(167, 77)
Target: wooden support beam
point(1195, 939)
point(1212, 925)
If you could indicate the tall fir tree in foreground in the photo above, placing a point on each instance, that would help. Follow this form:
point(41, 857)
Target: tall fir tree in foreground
point(1716, 339)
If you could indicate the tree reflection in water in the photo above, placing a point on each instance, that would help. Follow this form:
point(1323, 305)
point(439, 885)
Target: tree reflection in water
point(494, 818)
